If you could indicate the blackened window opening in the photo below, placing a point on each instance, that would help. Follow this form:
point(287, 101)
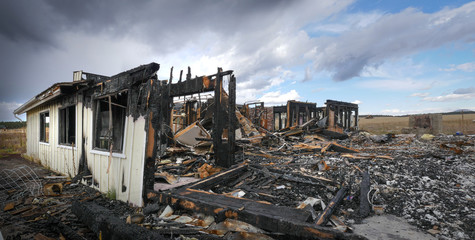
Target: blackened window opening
point(67, 125)
point(44, 127)
point(109, 133)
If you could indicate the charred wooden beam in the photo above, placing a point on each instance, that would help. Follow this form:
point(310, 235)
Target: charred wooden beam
point(364, 190)
point(277, 219)
point(207, 183)
point(62, 228)
point(332, 206)
point(195, 85)
point(102, 222)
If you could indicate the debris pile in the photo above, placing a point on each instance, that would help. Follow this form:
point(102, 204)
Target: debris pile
point(427, 181)
point(281, 190)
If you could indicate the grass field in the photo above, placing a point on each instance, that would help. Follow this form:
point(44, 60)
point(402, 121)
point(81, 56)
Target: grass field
point(12, 141)
point(450, 124)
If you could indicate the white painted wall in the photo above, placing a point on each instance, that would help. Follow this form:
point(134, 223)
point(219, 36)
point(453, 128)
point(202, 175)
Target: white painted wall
point(60, 158)
point(125, 176)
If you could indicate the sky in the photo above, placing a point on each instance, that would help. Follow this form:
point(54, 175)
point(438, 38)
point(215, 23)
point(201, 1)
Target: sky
point(391, 57)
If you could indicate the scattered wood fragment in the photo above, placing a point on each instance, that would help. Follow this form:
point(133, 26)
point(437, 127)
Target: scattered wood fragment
point(40, 236)
point(55, 177)
point(23, 209)
point(366, 156)
point(340, 225)
point(263, 155)
point(9, 206)
point(335, 147)
point(53, 189)
point(169, 178)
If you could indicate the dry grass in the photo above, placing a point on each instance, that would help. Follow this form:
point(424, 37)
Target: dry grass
point(380, 125)
point(454, 123)
point(12, 141)
point(451, 124)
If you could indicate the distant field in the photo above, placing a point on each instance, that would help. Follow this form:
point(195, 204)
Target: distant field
point(451, 124)
point(12, 141)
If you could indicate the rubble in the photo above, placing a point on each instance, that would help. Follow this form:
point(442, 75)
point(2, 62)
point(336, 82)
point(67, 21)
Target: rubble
point(429, 186)
point(401, 175)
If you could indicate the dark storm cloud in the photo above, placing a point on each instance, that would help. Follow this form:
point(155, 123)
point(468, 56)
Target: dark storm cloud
point(27, 21)
point(42, 42)
point(468, 90)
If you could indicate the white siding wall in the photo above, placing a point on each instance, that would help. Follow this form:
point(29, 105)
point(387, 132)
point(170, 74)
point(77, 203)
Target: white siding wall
point(59, 158)
point(125, 176)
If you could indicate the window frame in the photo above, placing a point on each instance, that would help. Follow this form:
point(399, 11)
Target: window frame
point(66, 126)
point(43, 138)
point(95, 122)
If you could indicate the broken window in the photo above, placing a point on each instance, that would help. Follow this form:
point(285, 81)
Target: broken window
point(44, 127)
point(109, 124)
point(67, 125)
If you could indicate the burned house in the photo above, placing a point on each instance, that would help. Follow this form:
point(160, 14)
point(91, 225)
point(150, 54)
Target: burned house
point(204, 168)
point(120, 134)
point(342, 116)
point(110, 130)
point(335, 116)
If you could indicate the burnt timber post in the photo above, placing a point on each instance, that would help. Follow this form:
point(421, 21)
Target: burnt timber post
point(224, 150)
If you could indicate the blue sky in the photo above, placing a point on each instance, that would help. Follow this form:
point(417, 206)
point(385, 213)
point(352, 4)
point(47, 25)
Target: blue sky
point(390, 57)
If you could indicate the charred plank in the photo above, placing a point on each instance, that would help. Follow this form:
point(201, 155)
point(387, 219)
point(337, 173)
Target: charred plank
point(332, 206)
point(102, 222)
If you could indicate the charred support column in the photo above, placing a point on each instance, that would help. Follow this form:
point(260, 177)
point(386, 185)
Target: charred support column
point(231, 120)
point(152, 130)
point(356, 118)
point(224, 151)
point(164, 117)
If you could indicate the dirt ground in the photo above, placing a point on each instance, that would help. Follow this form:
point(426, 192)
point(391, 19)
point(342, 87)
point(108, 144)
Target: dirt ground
point(37, 217)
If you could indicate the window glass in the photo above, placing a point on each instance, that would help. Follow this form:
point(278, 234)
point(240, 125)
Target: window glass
point(67, 125)
point(44, 127)
point(110, 131)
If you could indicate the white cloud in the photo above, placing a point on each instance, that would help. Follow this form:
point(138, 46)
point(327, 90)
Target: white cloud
point(317, 90)
point(465, 67)
point(357, 102)
point(450, 97)
point(398, 84)
point(348, 22)
point(393, 111)
point(278, 98)
point(419, 94)
point(456, 95)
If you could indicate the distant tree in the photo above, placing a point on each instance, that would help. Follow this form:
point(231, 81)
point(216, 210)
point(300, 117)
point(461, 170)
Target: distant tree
point(13, 125)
